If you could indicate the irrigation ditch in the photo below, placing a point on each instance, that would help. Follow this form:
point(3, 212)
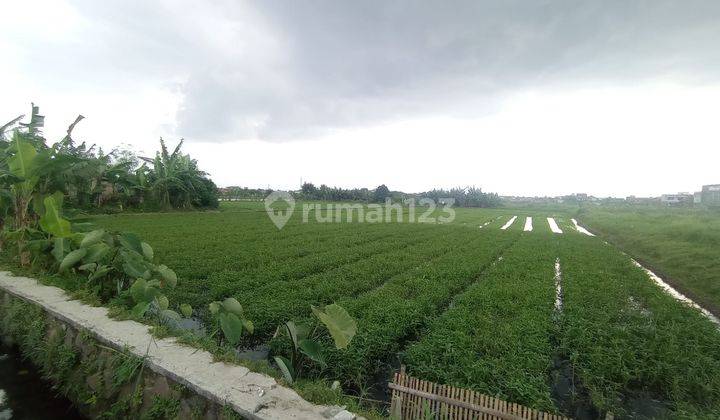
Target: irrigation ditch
point(116, 369)
point(24, 393)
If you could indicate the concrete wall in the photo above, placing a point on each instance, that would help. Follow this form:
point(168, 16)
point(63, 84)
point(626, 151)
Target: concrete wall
point(116, 369)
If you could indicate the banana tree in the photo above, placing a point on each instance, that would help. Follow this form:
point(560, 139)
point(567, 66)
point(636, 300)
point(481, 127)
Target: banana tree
point(28, 170)
point(175, 179)
point(22, 166)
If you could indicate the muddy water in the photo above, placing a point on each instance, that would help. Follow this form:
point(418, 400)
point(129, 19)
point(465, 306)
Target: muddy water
point(24, 394)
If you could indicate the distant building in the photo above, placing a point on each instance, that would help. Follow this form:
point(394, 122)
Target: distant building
point(631, 199)
point(678, 199)
point(711, 195)
point(697, 197)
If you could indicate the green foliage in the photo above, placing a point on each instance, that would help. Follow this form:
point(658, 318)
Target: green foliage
point(437, 299)
point(36, 179)
point(127, 367)
point(145, 293)
point(338, 322)
point(677, 243)
point(628, 339)
point(51, 222)
point(186, 310)
point(460, 196)
point(72, 258)
point(230, 319)
point(463, 197)
point(176, 181)
point(91, 179)
point(163, 408)
point(381, 193)
point(21, 161)
point(496, 336)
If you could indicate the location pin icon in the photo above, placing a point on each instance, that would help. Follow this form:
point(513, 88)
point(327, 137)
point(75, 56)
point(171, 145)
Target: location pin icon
point(279, 216)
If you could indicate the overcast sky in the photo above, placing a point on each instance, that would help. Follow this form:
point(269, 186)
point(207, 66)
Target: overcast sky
point(516, 97)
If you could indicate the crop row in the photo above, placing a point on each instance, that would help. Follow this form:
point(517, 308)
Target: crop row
point(496, 336)
point(243, 242)
point(328, 258)
point(284, 300)
point(630, 342)
point(325, 255)
point(390, 316)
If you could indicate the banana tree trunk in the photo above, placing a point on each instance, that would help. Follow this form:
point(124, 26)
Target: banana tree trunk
point(21, 222)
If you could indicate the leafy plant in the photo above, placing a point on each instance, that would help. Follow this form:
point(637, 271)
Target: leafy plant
point(231, 320)
point(147, 294)
point(341, 326)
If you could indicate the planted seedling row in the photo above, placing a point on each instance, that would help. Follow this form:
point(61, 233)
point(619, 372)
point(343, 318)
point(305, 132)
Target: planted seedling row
point(637, 349)
point(496, 336)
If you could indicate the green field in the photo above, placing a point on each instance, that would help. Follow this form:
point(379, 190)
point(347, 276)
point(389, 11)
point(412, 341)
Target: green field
point(680, 244)
point(458, 304)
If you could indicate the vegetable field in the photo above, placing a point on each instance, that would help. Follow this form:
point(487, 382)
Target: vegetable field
point(682, 244)
point(557, 321)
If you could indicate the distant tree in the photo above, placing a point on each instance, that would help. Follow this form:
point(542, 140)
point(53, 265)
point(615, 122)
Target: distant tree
point(309, 191)
point(381, 193)
point(463, 197)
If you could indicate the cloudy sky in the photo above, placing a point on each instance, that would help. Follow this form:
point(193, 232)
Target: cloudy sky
point(519, 97)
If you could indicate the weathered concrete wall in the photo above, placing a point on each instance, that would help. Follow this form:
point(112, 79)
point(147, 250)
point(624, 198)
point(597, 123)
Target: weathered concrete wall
point(118, 370)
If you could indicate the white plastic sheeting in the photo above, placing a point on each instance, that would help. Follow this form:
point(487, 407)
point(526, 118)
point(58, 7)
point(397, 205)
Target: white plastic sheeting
point(509, 223)
point(581, 229)
point(553, 225)
point(677, 295)
point(528, 224)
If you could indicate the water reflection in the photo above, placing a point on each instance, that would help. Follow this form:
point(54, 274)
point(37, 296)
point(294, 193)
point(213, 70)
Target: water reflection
point(24, 394)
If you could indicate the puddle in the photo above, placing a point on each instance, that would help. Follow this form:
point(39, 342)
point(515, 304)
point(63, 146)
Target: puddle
point(24, 394)
point(567, 392)
point(646, 407)
point(256, 353)
point(558, 286)
point(193, 325)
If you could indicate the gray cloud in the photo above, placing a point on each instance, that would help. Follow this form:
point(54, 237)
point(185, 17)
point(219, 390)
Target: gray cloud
point(280, 70)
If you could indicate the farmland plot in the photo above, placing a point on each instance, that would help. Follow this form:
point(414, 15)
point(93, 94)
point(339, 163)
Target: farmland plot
point(682, 245)
point(632, 345)
point(391, 315)
point(285, 300)
point(496, 336)
point(463, 305)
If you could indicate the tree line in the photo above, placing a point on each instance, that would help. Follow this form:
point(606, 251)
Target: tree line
point(91, 179)
point(460, 196)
